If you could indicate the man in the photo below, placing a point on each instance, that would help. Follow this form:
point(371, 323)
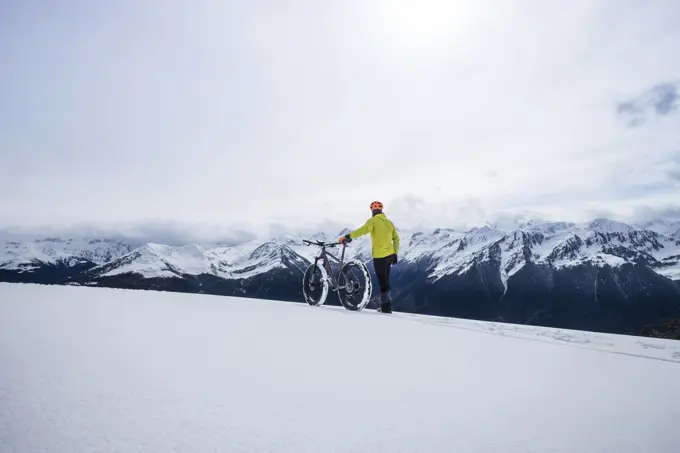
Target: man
point(385, 247)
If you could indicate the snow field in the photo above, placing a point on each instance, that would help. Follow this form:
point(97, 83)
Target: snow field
point(91, 369)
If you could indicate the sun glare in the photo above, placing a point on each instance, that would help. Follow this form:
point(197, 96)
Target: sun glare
point(426, 21)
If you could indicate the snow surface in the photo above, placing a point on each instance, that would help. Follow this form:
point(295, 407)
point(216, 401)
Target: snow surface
point(109, 370)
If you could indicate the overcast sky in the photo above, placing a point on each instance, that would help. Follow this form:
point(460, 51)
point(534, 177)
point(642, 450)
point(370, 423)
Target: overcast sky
point(275, 115)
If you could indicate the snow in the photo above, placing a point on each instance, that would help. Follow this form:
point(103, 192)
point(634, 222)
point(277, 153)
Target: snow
point(512, 259)
point(550, 227)
point(556, 237)
point(308, 252)
point(540, 252)
point(147, 265)
point(608, 226)
point(459, 255)
point(158, 260)
point(419, 245)
point(634, 346)
point(107, 370)
point(669, 255)
point(662, 226)
point(25, 255)
point(237, 253)
point(242, 256)
point(443, 251)
point(591, 254)
point(242, 261)
point(191, 257)
point(672, 272)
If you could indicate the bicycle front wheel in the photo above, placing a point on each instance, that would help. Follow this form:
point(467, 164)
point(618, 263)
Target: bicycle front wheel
point(354, 286)
point(315, 285)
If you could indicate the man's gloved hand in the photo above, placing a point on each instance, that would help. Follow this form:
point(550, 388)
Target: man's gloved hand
point(345, 239)
point(394, 258)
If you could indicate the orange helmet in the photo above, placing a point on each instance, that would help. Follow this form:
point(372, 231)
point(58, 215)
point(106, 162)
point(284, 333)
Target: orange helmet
point(376, 205)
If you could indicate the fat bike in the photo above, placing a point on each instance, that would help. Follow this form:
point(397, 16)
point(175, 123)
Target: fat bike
point(351, 280)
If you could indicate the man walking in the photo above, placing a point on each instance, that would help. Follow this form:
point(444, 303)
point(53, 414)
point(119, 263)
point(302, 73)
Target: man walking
point(385, 246)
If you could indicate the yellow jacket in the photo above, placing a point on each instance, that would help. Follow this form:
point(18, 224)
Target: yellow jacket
point(384, 235)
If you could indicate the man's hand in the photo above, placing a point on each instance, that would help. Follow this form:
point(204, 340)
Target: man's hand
point(346, 239)
point(394, 258)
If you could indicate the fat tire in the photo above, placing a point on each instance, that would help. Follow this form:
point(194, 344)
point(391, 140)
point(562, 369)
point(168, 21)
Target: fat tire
point(367, 285)
point(324, 285)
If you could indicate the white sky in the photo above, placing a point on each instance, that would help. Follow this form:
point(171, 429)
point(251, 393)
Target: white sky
point(275, 115)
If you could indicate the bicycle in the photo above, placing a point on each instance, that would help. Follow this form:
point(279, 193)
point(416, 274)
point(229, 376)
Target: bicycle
point(352, 281)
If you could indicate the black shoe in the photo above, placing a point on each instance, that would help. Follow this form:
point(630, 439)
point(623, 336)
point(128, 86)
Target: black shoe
point(386, 307)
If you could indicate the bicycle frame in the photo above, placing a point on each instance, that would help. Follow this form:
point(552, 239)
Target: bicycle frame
point(326, 256)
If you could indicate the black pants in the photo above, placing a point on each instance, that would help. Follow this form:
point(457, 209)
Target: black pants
point(382, 271)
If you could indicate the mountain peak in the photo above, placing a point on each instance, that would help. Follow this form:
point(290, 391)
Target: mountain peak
point(667, 227)
point(482, 231)
point(318, 237)
point(344, 231)
point(443, 231)
point(609, 226)
point(551, 227)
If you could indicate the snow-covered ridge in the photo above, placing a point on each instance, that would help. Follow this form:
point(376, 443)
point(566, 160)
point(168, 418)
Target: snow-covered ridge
point(53, 251)
point(441, 251)
point(158, 260)
point(665, 227)
point(558, 245)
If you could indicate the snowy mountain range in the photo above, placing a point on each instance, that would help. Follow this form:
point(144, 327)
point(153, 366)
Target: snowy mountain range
point(618, 275)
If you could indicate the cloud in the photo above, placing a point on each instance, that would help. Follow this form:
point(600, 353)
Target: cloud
point(660, 100)
point(188, 120)
point(674, 173)
point(159, 231)
point(646, 213)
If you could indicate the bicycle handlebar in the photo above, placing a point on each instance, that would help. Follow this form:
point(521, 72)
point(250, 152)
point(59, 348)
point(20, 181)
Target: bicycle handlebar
point(321, 244)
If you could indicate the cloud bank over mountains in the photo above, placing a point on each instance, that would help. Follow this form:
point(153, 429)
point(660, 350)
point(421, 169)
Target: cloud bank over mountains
point(227, 120)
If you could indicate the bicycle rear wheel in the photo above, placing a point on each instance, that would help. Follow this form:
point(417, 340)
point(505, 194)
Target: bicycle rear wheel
point(315, 285)
point(355, 286)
